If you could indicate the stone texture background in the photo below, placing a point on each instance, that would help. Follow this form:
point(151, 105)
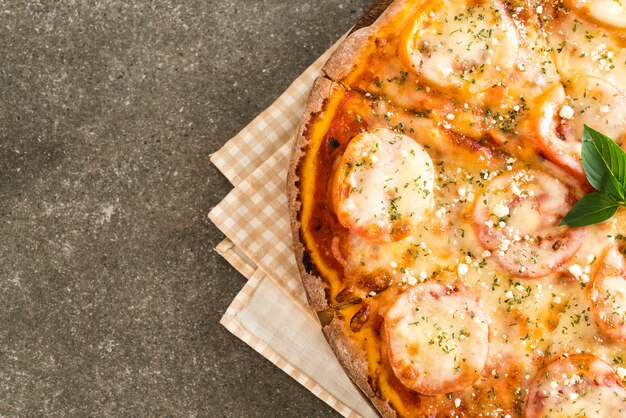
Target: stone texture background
point(110, 291)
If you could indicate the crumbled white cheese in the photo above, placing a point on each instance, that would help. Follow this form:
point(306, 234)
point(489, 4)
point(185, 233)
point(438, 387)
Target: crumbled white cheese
point(462, 269)
point(575, 270)
point(566, 112)
point(393, 264)
point(450, 116)
point(457, 402)
point(501, 210)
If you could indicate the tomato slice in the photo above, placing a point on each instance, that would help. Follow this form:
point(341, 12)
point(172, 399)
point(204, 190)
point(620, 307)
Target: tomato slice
point(517, 219)
point(579, 385)
point(608, 296)
point(460, 45)
point(553, 140)
point(383, 185)
point(437, 339)
point(561, 114)
point(611, 13)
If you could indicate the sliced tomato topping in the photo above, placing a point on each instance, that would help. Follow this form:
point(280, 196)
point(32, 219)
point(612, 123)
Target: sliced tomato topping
point(596, 103)
point(460, 45)
point(382, 186)
point(579, 385)
point(437, 339)
point(556, 142)
point(608, 296)
point(611, 13)
point(517, 219)
point(561, 114)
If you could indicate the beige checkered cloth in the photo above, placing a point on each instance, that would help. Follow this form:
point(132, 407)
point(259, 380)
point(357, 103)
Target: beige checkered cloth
point(271, 313)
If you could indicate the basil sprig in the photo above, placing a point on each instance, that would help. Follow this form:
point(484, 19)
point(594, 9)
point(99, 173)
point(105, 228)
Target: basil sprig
point(604, 163)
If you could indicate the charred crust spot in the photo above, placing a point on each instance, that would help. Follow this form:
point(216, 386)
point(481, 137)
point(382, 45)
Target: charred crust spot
point(333, 143)
point(557, 244)
point(307, 262)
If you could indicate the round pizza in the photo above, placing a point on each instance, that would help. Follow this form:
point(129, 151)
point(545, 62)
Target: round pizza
point(455, 193)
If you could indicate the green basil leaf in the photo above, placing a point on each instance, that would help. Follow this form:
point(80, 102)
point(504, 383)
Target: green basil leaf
point(591, 209)
point(602, 158)
point(613, 188)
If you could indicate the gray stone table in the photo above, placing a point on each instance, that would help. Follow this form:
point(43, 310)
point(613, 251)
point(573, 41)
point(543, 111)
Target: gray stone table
point(110, 290)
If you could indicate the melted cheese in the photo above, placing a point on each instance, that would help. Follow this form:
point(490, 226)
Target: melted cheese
point(580, 47)
point(581, 386)
point(611, 13)
point(608, 297)
point(596, 103)
point(437, 339)
point(517, 219)
point(383, 185)
point(461, 45)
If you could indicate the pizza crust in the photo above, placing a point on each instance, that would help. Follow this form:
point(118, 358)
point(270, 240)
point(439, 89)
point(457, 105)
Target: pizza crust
point(353, 361)
point(314, 285)
point(340, 62)
point(350, 357)
point(343, 60)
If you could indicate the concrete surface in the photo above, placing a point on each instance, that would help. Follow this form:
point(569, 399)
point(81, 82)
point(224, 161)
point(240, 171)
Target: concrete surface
point(110, 291)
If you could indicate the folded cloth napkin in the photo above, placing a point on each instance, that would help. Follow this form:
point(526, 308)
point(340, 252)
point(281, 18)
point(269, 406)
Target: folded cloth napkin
point(271, 313)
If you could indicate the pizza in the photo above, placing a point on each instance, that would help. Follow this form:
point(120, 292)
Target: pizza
point(434, 164)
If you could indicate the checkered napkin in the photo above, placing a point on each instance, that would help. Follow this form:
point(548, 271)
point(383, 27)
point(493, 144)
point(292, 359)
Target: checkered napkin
point(271, 313)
